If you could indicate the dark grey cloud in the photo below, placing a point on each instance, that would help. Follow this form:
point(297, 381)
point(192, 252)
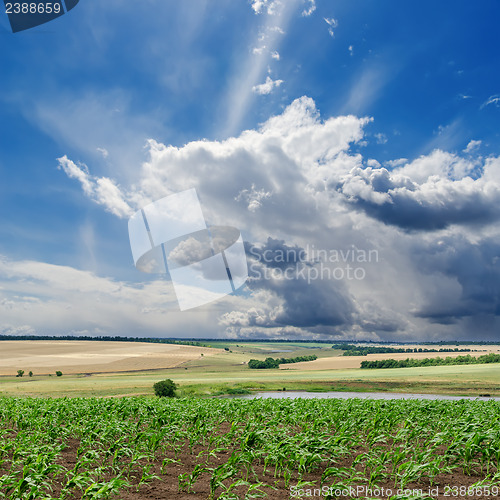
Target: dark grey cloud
point(474, 269)
point(433, 198)
point(306, 302)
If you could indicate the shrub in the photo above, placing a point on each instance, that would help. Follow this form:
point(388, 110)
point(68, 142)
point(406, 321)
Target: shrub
point(30, 373)
point(165, 388)
point(237, 390)
point(20, 373)
point(58, 373)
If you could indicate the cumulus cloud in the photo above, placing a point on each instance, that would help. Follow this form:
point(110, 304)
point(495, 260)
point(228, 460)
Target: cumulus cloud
point(267, 87)
point(268, 6)
point(253, 197)
point(190, 250)
point(472, 146)
point(432, 192)
point(296, 183)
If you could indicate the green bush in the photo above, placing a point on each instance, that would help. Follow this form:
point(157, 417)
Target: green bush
point(20, 373)
point(58, 373)
point(237, 390)
point(165, 388)
point(275, 363)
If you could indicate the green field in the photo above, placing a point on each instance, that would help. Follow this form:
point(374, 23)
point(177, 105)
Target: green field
point(215, 375)
point(144, 448)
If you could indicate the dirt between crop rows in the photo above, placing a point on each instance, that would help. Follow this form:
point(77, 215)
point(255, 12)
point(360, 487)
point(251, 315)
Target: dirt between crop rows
point(166, 487)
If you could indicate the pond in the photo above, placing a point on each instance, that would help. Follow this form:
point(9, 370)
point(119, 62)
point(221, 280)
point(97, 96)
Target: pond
point(360, 395)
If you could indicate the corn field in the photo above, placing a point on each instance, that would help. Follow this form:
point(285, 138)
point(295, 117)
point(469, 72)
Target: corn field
point(143, 448)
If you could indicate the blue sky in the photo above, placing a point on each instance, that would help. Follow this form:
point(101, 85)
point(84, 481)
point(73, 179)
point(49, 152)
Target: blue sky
point(303, 123)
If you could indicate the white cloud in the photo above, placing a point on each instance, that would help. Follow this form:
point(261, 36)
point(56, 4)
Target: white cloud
point(267, 87)
point(276, 29)
point(351, 50)
point(310, 9)
point(494, 100)
point(253, 197)
point(102, 190)
point(16, 330)
point(332, 23)
point(472, 146)
point(276, 15)
point(275, 55)
point(381, 138)
point(51, 299)
point(189, 251)
point(104, 152)
point(269, 6)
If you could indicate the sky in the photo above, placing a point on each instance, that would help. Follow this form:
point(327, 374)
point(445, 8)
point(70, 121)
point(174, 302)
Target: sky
point(354, 143)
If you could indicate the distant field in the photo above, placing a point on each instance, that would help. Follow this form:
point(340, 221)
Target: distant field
point(72, 357)
point(345, 362)
point(111, 369)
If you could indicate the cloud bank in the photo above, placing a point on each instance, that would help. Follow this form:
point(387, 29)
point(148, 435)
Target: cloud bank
point(296, 182)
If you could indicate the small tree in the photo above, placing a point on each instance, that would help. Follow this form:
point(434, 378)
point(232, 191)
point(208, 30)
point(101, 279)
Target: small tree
point(20, 373)
point(165, 388)
point(58, 373)
point(30, 373)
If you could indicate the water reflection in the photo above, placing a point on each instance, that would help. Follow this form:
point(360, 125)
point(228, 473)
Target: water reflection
point(360, 395)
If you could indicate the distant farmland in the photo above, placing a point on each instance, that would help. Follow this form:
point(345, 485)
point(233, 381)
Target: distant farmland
point(109, 368)
point(72, 357)
point(346, 362)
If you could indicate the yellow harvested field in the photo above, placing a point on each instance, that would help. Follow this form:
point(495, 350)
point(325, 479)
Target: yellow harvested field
point(346, 362)
point(70, 357)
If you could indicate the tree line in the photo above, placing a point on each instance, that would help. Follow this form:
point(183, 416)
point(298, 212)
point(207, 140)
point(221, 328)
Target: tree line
point(104, 339)
point(276, 362)
point(355, 350)
point(413, 363)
